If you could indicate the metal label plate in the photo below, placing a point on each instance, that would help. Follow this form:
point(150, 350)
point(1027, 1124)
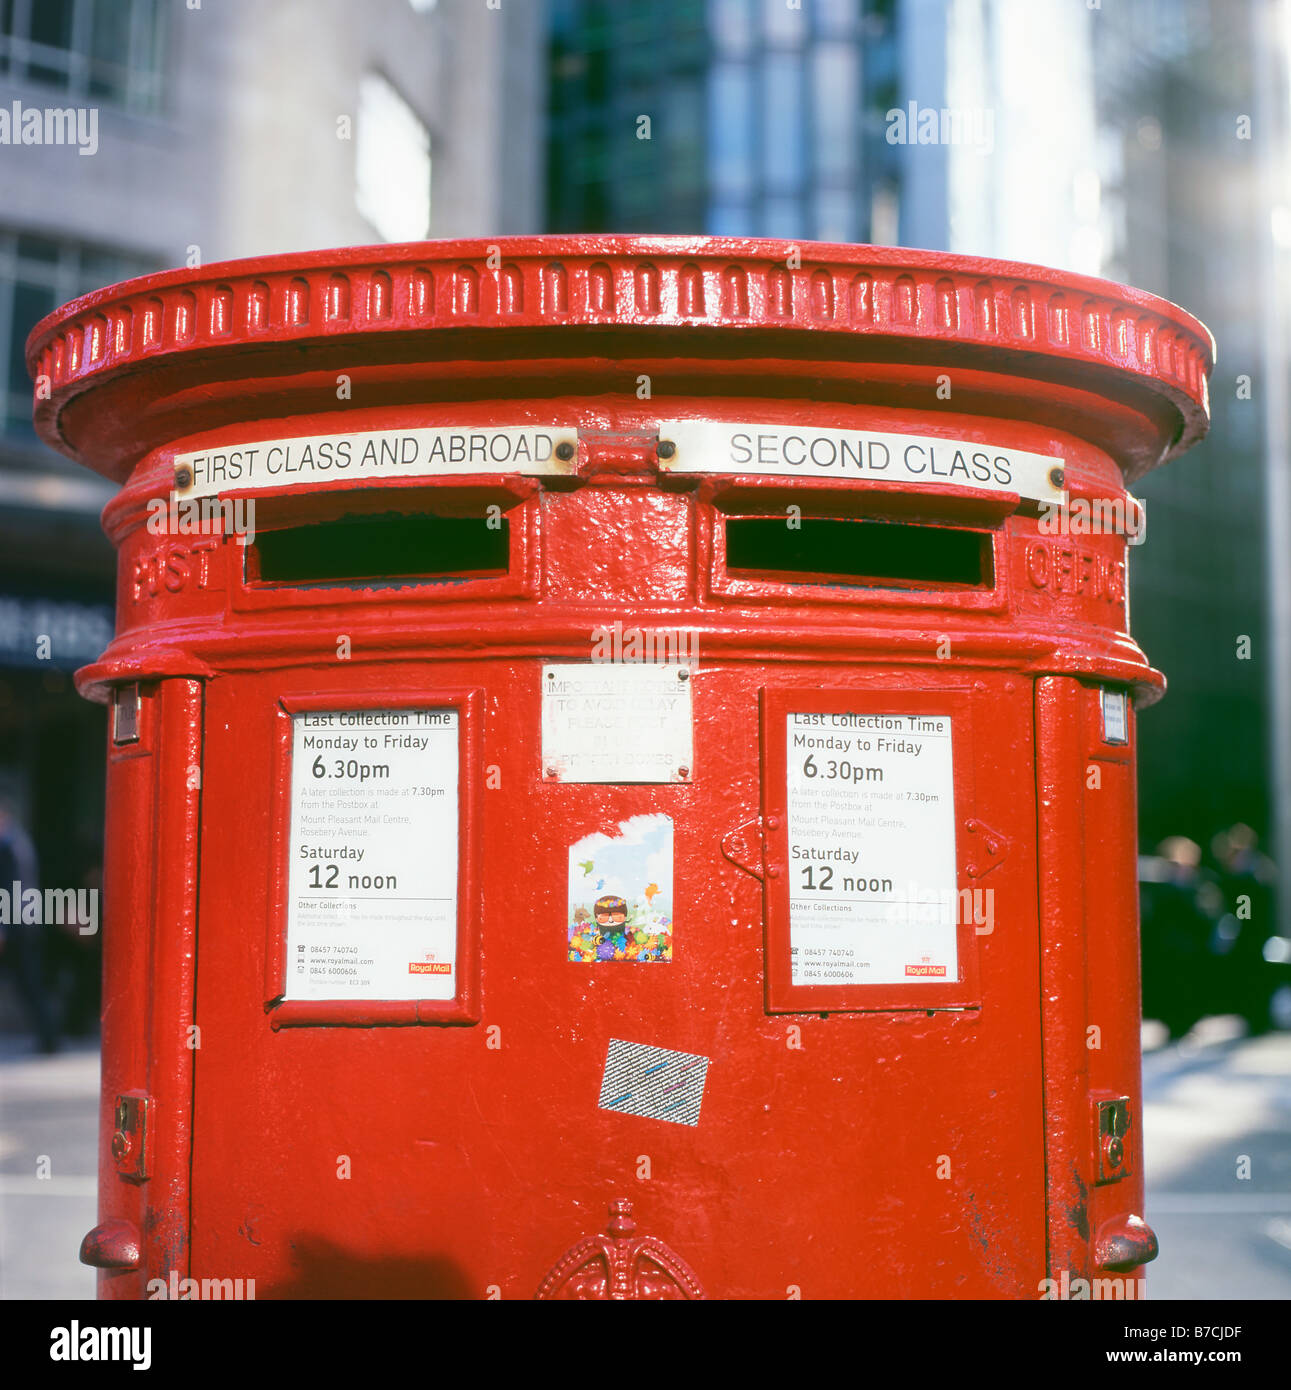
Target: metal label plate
point(617, 722)
point(724, 446)
point(451, 451)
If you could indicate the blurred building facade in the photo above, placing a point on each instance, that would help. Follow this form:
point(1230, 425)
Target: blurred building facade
point(1103, 139)
point(219, 130)
point(763, 120)
point(1178, 99)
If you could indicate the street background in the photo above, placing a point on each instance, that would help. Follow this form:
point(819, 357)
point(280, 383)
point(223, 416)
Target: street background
point(1141, 140)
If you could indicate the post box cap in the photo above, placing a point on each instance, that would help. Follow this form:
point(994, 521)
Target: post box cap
point(126, 368)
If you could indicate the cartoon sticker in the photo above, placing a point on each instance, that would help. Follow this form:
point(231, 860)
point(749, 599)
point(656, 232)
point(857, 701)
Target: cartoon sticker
point(654, 1082)
point(620, 893)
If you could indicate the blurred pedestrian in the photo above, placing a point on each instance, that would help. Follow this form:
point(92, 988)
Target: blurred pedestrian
point(25, 944)
point(1246, 879)
point(1180, 904)
point(78, 946)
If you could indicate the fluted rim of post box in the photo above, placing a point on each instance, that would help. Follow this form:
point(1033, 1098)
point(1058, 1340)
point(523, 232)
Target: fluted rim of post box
point(721, 284)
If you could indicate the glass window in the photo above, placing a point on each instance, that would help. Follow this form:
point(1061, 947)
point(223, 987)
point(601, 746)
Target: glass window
point(391, 163)
point(835, 215)
point(591, 159)
point(37, 274)
point(110, 50)
point(30, 304)
point(835, 18)
point(784, 217)
point(597, 85)
point(689, 16)
point(885, 218)
point(50, 27)
point(782, 122)
point(731, 218)
point(37, 248)
point(86, 48)
point(730, 24)
point(783, 26)
point(731, 127)
point(835, 104)
point(683, 146)
point(776, 95)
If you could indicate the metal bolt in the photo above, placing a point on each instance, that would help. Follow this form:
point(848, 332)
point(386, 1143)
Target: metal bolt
point(666, 449)
point(1113, 1150)
point(551, 772)
point(683, 674)
point(972, 871)
point(183, 477)
point(683, 773)
point(773, 822)
point(773, 872)
point(122, 1146)
point(565, 450)
point(1057, 477)
point(992, 847)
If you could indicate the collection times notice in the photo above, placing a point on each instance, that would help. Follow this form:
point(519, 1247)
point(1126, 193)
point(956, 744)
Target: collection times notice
point(372, 883)
point(872, 868)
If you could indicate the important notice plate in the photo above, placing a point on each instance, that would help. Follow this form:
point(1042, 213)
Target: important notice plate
point(623, 721)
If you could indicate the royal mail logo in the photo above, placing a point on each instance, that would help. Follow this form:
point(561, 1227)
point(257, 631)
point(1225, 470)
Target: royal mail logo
point(429, 967)
point(925, 967)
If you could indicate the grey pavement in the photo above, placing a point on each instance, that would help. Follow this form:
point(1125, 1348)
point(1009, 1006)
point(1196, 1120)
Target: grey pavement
point(1217, 1105)
point(48, 1145)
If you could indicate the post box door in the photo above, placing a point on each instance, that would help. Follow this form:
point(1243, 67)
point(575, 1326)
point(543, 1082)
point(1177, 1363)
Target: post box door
point(888, 1144)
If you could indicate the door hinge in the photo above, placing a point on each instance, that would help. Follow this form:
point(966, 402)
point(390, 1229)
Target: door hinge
point(130, 1147)
point(1112, 1122)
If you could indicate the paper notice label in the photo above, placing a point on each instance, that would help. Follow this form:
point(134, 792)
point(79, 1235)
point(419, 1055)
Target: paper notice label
point(372, 882)
point(873, 877)
point(617, 722)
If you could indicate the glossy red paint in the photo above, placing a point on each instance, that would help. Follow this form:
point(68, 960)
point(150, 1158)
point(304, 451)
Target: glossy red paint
point(955, 1131)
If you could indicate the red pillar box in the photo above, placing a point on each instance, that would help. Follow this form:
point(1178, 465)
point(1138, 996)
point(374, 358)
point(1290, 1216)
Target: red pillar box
point(621, 782)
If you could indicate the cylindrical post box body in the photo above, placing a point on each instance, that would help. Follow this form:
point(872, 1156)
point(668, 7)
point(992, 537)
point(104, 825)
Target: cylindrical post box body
point(621, 771)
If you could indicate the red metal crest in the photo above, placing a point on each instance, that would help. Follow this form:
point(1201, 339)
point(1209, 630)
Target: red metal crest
point(621, 1266)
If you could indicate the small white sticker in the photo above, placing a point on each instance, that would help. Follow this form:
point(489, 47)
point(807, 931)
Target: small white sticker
point(653, 1082)
point(372, 881)
point(617, 722)
point(873, 876)
point(1115, 718)
point(721, 446)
